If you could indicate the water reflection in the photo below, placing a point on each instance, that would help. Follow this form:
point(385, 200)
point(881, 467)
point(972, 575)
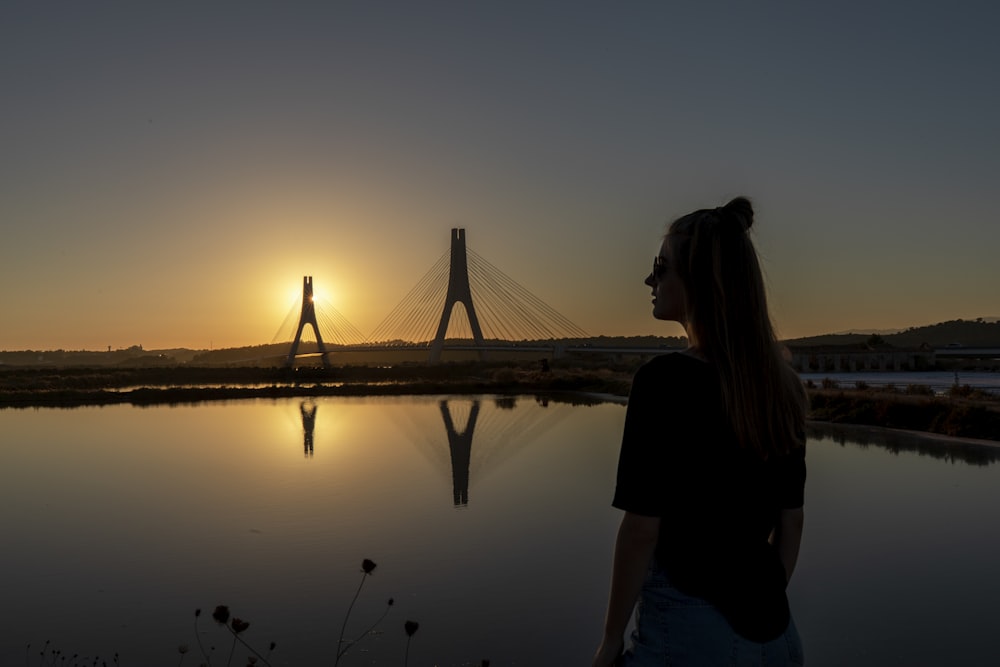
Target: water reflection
point(308, 411)
point(460, 446)
point(460, 418)
point(479, 436)
point(948, 449)
point(898, 529)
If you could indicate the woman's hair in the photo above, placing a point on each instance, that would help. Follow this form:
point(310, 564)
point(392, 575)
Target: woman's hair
point(729, 323)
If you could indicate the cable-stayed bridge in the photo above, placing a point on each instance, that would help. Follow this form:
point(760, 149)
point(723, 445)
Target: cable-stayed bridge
point(495, 311)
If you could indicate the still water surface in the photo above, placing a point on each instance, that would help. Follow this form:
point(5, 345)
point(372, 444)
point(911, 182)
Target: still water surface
point(489, 519)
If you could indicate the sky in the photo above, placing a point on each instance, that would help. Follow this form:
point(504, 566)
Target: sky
point(170, 171)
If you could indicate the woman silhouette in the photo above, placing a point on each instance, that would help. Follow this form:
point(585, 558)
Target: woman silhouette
point(712, 466)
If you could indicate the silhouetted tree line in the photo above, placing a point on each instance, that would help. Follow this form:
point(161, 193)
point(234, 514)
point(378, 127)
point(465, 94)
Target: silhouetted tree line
point(970, 333)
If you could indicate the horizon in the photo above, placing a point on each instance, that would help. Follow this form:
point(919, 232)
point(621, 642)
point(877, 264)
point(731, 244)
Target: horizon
point(311, 340)
point(171, 172)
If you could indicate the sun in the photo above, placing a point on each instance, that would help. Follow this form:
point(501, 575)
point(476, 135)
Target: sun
point(322, 294)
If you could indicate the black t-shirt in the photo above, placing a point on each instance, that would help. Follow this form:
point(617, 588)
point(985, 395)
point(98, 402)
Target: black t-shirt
point(717, 502)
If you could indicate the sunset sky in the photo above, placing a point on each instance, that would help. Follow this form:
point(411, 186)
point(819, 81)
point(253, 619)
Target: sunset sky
point(169, 171)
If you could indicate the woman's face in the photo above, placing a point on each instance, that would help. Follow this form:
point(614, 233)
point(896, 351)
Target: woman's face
point(668, 293)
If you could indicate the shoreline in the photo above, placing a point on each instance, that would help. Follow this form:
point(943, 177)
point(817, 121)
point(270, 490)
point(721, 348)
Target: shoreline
point(54, 389)
point(826, 428)
point(971, 418)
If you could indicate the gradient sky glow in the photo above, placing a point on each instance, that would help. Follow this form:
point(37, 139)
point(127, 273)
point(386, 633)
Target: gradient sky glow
point(170, 171)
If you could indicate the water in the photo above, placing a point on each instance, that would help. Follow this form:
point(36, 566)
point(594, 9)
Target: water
point(118, 522)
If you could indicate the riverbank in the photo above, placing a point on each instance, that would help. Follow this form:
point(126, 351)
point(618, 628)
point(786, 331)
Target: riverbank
point(78, 387)
point(963, 412)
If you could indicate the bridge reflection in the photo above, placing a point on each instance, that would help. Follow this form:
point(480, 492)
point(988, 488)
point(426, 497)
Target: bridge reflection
point(483, 436)
point(460, 447)
point(501, 428)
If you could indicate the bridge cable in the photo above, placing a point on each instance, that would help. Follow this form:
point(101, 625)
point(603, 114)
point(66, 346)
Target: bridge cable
point(387, 326)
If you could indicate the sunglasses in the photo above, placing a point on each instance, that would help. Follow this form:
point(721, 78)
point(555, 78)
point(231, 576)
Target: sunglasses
point(659, 267)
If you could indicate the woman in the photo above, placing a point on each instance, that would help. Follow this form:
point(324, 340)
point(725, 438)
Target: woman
point(712, 466)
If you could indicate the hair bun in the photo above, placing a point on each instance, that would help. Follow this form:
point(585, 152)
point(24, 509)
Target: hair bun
point(740, 208)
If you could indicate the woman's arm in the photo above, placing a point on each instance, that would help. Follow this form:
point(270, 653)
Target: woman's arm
point(787, 536)
point(634, 549)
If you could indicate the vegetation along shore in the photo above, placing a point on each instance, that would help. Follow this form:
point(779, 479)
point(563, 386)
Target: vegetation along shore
point(961, 412)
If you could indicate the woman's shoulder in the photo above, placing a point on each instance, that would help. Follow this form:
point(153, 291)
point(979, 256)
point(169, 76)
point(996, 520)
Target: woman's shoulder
point(676, 363)
point(676, 369)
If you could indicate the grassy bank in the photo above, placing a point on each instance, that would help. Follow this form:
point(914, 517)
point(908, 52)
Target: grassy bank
point(963, 413)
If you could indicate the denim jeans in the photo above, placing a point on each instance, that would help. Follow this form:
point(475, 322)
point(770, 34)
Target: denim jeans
point(674, 630)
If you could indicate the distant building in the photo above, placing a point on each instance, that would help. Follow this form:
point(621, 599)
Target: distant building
point(848, 358)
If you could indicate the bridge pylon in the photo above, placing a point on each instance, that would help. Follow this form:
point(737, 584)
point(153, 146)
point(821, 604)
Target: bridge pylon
point(308, 316)
point(458, 292)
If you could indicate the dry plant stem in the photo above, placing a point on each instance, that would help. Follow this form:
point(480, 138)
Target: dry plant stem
point(406, 656)
point(237, 638)
point(41, 653)
point(340, 640)
point(232, 649)
point(352, 642)
point(197, 636)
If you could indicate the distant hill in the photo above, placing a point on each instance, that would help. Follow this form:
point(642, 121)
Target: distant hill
point(982, 332)
point(866, 332)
